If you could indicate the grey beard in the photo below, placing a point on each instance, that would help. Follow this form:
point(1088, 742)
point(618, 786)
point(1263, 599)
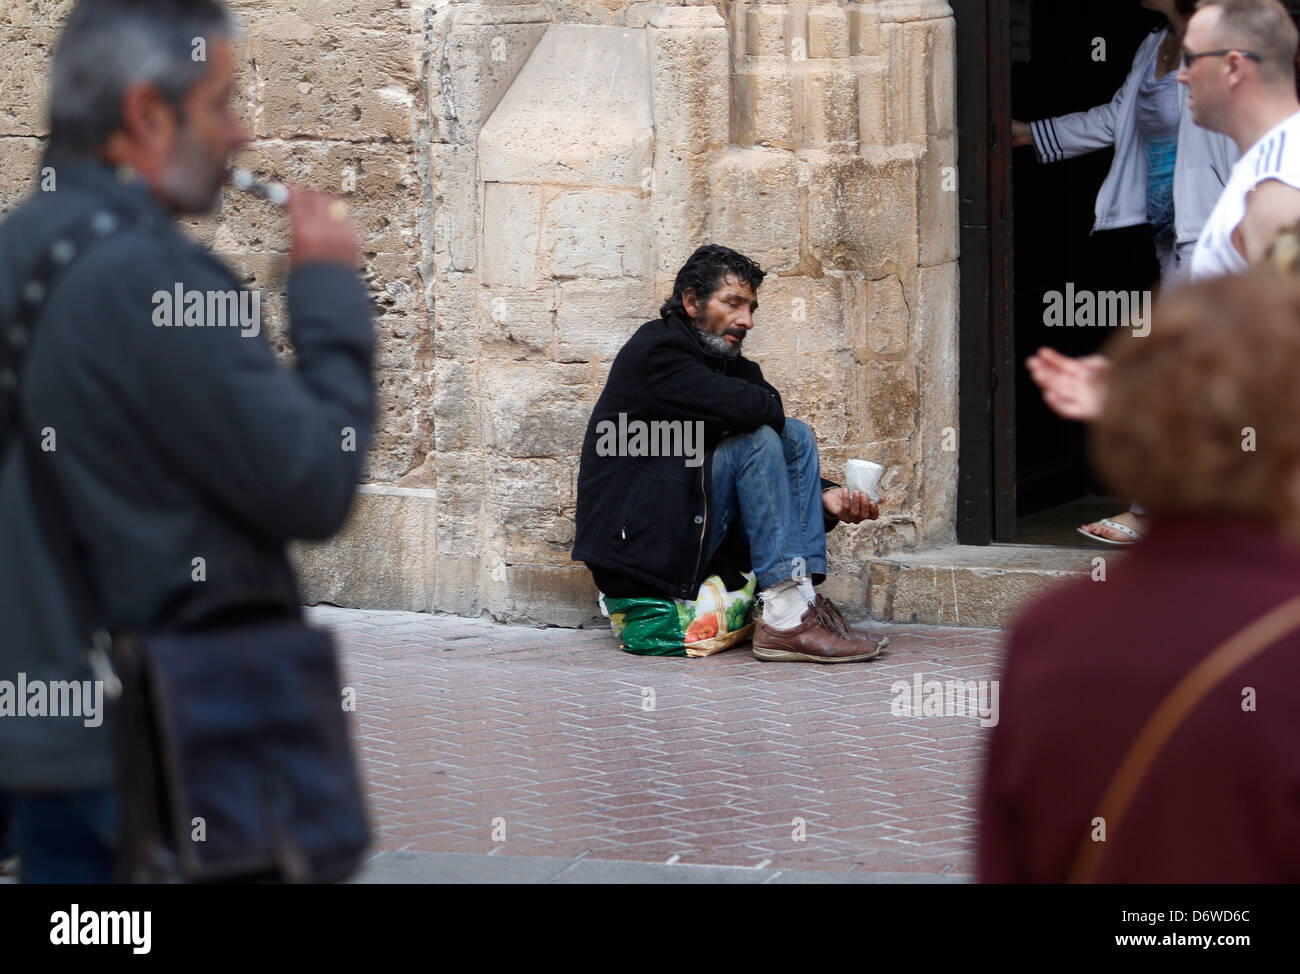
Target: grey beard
point(719, 345)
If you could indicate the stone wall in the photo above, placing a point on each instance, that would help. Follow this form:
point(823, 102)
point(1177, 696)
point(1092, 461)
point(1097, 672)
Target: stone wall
point(528, 178)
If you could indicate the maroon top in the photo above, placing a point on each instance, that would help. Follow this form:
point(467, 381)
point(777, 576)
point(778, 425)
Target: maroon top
point(1091, 661)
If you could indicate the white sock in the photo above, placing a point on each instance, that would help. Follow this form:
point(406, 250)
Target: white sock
point(806, 590)
point(784, 604)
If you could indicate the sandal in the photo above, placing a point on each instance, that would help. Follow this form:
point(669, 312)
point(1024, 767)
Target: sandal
point(1114, 526)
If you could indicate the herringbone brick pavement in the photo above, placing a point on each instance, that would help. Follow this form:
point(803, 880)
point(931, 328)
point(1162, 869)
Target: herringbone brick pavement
point(554, 741)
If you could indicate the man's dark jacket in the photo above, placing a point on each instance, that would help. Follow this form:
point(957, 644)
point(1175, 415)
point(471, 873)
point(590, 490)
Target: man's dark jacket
point(643, 522)
point(173, 444)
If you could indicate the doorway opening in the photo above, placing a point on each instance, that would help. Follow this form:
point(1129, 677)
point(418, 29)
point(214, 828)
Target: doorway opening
point(1066, 58)
point(1026, 237)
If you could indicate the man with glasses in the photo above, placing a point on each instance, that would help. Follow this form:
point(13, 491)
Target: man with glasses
point(1239, 67)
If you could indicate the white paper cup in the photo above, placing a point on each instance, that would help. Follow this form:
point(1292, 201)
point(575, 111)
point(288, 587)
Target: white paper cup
point(865, 476)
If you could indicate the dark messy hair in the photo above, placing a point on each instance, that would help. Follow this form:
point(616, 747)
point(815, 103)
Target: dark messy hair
point(1186, 7)
point(705, 271)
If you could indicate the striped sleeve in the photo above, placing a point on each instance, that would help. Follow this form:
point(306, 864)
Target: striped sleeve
point(1047, 142)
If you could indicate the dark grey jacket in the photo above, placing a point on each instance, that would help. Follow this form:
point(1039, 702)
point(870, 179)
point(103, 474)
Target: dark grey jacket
point(172, 444)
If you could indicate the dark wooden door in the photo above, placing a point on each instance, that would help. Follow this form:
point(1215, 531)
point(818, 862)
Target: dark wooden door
point(986, 463)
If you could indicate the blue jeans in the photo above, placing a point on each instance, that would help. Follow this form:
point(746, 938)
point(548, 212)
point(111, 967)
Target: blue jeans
point(65, 837)
point(771, 485)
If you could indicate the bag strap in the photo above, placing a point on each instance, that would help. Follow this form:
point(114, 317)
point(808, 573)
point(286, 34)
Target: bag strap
point(1228, 656)
point(89, 233)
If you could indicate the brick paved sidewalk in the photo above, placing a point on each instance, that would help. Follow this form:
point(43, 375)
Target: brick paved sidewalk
point(465, 723)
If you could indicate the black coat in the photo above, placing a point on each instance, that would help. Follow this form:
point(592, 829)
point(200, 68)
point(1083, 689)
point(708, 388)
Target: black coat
point(643, 521)
point(173, 443)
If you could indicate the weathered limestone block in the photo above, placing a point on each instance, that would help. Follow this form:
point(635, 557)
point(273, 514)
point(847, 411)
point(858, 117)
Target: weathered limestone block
point(765, 31)
point(937, 198)
point(891, 397)
point(828, 32)
point(294, 18)
point(498, 11)
point(515, 324)
point(939, 426)
point(357, 84)
point(35, 13)
point(595, 319)
point(762, 104)
point(873, 104)
point(399, 343)
point(512, 221)
point(395, 280)
point(578, 113)
point(804, 318)
point(403, 426)
point(864, 28)
point(543, 595)
point(941, 77)
point(459, 584)
point(953, 595)
point(755, 205)
point(455, 300)
point(862, 210)
point(597, 233)
point(525, 502)
point(852, 549)
point(455, 227)
point(888, 317)
point(528, 412)
point(690, 79)
point(909, 62)
point(679, 204)
point(475, 66)
point(462, 490)
point(20, 160)
point(825, 105)
point(23, 73)
point(384, 558)
point(458, 406)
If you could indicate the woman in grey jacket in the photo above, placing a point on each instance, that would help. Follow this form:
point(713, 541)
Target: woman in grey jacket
point(1167, 171)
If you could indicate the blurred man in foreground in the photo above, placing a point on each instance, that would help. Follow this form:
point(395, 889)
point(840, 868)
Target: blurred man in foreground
point(184, 454)
point(1202, 421)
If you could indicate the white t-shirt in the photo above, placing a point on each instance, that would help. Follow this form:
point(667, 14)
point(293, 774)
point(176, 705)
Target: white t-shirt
point(1275, 156)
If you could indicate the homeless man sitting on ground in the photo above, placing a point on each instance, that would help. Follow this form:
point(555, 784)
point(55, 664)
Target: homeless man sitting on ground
point(743, 486)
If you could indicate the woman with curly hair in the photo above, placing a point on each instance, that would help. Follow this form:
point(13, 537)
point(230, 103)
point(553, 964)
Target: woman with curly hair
point(1149, 724)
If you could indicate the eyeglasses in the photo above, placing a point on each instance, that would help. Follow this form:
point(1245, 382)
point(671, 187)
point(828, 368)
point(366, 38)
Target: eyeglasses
point(1189, 57)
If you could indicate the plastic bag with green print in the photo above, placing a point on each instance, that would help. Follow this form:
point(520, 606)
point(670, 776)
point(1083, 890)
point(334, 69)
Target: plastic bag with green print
point(714, 621)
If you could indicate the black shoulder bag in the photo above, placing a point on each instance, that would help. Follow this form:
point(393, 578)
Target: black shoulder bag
point(234, 759)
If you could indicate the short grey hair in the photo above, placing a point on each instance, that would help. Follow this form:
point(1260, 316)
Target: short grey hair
point(108, 45)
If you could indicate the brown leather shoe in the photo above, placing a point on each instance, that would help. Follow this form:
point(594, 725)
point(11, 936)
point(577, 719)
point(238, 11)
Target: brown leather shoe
point(815, 640)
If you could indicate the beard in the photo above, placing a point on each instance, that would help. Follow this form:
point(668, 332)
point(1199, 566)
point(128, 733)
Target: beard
point(192, 179)
point(719, 345)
